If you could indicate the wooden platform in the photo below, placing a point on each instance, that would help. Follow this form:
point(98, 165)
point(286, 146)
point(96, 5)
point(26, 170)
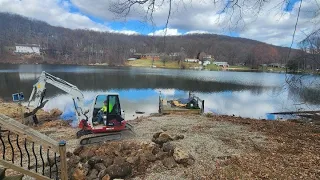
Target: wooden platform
point(167, 108)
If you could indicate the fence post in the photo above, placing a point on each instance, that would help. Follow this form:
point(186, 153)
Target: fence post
point(63, 160)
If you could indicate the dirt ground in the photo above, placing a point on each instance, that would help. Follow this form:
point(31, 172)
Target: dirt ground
point(223, 147)
point(227, 147)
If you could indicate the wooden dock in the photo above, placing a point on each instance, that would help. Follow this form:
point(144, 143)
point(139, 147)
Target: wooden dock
point(165, 106)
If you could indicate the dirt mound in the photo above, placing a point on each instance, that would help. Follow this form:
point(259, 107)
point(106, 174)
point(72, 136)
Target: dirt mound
point(125, 159)
point(15, 111)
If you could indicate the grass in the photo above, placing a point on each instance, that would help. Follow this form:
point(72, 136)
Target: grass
point(160, 64)
point(272, 69)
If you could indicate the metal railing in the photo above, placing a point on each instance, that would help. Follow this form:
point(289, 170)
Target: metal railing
point(29, 152)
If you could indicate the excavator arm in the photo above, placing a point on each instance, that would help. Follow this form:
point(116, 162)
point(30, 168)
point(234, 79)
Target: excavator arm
point(39, 91)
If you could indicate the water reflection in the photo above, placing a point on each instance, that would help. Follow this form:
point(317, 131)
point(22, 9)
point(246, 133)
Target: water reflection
point(232, 93)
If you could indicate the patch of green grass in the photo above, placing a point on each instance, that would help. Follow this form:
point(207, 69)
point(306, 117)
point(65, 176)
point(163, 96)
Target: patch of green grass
point(160, 64)
point(213, 67)
point(272, 69)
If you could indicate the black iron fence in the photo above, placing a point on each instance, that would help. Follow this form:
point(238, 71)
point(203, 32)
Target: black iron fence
point(27, 151)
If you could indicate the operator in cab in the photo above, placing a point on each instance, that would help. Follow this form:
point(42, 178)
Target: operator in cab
point(104, 109)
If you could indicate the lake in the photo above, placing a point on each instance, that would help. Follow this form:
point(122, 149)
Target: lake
point(245, 94)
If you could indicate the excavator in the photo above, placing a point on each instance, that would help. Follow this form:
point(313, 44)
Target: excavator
point(95, 126)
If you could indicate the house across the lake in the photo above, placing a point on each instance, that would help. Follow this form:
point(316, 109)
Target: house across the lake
point(154, 56)
point(27, 49)
point(191, 60)
point(221, 64)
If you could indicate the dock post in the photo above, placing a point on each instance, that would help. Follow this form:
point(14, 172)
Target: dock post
point(202, 107)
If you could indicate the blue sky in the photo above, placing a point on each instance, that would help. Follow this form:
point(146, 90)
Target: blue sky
point(273, 24)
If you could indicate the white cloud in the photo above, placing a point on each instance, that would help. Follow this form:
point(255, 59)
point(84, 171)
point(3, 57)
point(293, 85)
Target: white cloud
point(271, 24)
point(51, 12)
point(127, 32)
point(166, 31)
point(197, 32)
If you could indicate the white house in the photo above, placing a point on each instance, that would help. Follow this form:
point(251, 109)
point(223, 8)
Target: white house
point(205, 62)
point(191, 60)
point(223, 64)
point(27, 49)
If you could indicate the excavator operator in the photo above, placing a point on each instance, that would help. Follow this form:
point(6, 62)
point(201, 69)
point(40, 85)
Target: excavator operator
point(103, 110)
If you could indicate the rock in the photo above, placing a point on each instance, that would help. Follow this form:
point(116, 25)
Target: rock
point(93, 174)
point(156, 150)
point(102, 174)
point(78, 150)
point(94, 160)
point(148, 146)
point(106, 177)
point(161, 155)
point(133, 160)
point(119, 160)
point(150, 157)
point(73, 161)
point(177, 137)
point(168, 147)
point(107, 161)
point(86, 156)
point(100, 167)
point(69, 154)
point(78, 174)
point(156, 135)
point(55, 113)
point(182, 157)
point(119, 170)
point(162, 138)
point(169, 162)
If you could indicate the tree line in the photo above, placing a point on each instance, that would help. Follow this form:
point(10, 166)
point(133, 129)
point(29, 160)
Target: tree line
point(66, 46)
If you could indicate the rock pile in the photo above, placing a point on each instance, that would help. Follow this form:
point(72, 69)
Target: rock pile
point(124, 159)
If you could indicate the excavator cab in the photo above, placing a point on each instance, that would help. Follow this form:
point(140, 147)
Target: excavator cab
point(107, 110)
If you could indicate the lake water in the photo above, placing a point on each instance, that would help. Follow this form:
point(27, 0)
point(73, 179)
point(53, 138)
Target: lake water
point(246, 94)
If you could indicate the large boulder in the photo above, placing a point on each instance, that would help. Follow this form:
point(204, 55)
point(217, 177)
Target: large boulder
point(119, 170)
point(94, 160)
point(100, 167)
point(119, 160)
point(78, 174)
point(78, 150)
point(168, 147)
point(73, 161)
point(182, 157)
point(161, 138)
point(102, 174)
point(86, 156)
point(134, 160)
point(107, 161)
point(80, 171)
point(161, 155)
point(169, 162)
point(93, 174)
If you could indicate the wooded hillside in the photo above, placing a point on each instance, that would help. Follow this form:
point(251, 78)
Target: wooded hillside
point(62, 45)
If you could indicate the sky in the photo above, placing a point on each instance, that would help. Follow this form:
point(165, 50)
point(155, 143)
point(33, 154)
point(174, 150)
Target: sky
point(273, 23)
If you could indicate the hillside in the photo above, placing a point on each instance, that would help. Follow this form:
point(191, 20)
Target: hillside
point(66, 46)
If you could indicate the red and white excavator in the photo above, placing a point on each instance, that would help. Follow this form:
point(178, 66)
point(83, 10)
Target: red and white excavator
point(95, 125)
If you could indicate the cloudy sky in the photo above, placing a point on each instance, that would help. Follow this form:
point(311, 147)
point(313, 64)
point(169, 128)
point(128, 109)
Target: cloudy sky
point(273, 23)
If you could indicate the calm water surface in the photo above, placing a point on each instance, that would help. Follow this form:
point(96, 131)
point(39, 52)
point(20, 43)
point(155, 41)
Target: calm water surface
point(246, 94)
